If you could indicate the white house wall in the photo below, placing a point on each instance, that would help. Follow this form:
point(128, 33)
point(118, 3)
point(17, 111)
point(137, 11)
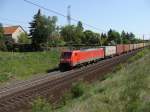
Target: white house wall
point(17, 33)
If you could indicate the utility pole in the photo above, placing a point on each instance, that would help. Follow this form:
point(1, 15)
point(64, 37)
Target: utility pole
point(143, 40)
point(143, 37)
point(69, 15)
point(69, 24)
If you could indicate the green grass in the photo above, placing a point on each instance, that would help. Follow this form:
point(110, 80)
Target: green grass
point(41, 105)
point(24, 65)
point(125, 90)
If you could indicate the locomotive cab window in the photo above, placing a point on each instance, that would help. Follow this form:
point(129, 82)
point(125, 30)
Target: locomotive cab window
point(66, 55)
point(76, 54)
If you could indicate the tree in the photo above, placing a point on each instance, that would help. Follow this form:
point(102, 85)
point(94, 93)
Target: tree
point(87, 36)
point(97, 39)
point(80, 26)
point(104, 39)
point(24, 38)
point(123, 36)
point(41, 29)
point(128, 38)
point(68, 34)
point(113, 37)
point(1, 31)
point(51, 28)
point(91, 37)
point(56, 39)
point(79, 35)
point(73, 34)
point(2, 39)
point(131, 37)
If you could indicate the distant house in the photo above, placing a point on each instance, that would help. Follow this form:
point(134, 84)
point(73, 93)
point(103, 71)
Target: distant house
point(13, 32)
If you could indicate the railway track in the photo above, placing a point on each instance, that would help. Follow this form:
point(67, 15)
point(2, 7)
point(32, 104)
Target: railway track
point(53, 86)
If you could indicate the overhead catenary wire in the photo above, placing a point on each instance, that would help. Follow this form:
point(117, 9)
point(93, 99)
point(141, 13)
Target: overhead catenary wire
point(63, 15)
point(60, 14)
point(146, 35)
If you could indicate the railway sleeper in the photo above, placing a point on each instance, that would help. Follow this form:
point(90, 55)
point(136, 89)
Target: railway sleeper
point(8, 105)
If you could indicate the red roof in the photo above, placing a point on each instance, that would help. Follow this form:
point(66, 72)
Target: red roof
point(10, 29)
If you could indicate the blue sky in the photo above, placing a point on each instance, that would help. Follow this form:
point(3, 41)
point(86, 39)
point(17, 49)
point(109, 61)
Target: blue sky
point(128, 15)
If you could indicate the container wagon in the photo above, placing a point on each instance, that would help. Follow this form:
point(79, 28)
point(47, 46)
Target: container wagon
point(109, 51)
point(135, 46)
point(143, 45)
point(131, 47)
point(140, 45)
point(119, 49)
point(126, 48)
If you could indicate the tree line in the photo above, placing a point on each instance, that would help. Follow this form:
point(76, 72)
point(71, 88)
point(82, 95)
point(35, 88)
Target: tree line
point(44, 32)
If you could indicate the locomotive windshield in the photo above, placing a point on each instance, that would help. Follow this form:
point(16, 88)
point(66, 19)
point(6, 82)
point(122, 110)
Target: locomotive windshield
point(66, 55)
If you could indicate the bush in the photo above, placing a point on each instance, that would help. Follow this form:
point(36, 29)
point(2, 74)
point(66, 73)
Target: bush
point(65, 99)
point(117, 68)
point(24, 38)
point(41, 105)
point(138, 55)
point(77, 90)
point(5, 77)
point(2, 46)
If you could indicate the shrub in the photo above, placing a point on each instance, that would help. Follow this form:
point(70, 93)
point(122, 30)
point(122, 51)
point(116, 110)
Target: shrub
point(137, 56)
point(5, 77)
point(77, 90)
point(41, 105)
point(117, 68)
point(65, 99)
point(2, 46)
point(24, 38)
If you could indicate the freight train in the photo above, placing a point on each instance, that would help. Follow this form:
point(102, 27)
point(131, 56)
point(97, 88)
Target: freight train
point(73, 58)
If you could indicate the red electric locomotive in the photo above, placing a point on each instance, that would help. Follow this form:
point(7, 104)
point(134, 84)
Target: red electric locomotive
point(74, 58)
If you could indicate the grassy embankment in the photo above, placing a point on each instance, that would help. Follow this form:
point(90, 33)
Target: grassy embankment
point(125, 90)
point(24, 65)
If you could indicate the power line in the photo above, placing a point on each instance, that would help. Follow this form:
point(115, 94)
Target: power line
point(45, 8)
point(13, 20)
point(58, 13)
point(63, 15)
